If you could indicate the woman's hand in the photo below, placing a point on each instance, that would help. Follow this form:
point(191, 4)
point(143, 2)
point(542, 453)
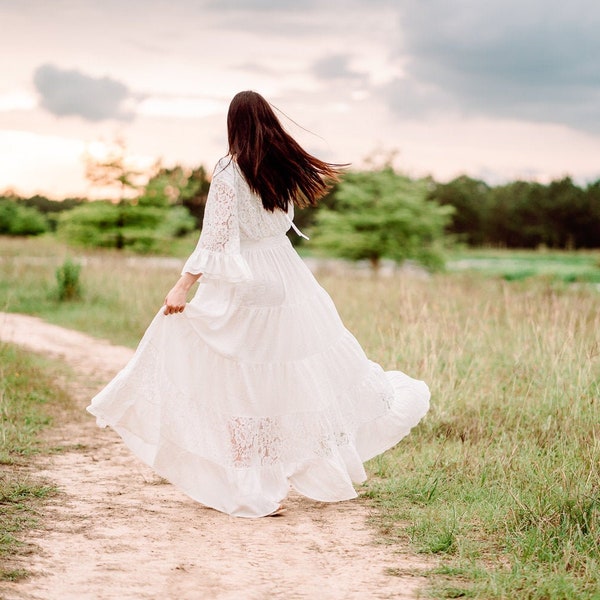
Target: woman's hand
point(175, 301)
point(177, 296)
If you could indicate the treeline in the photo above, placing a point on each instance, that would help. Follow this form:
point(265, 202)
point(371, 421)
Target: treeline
point(522, 214)
point(171, 204)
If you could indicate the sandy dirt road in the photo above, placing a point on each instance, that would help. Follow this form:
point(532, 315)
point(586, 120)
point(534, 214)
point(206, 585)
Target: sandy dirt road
point(117, 532)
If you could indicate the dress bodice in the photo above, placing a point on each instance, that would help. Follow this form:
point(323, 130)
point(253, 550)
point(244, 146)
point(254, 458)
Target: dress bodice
point(233, 213)
point(254, 221)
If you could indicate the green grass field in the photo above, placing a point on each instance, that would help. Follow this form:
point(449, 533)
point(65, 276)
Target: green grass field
point(500, 485)
point(513, 265)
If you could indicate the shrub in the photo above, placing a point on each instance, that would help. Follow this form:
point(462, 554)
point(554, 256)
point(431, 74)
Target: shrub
point(139, 228)
point(20, 220)
point(67, 278)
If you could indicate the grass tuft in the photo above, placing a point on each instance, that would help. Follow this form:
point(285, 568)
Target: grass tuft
point(68, 282)
point(13, 574)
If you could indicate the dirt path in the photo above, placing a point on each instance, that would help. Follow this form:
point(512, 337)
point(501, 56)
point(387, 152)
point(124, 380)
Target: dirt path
point(117, 532)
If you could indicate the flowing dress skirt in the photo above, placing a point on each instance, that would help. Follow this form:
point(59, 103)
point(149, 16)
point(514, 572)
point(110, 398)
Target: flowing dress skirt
point(257, 386)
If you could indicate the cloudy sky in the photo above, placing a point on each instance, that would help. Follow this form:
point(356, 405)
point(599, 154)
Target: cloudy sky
point(501, 89)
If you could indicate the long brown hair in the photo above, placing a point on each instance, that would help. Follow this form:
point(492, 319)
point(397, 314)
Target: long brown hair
point(274, 165)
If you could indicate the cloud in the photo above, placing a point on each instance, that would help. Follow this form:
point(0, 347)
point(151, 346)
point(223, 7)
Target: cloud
point(534, 60)
point(335, 66)
point(70, 92)
point(260, 5)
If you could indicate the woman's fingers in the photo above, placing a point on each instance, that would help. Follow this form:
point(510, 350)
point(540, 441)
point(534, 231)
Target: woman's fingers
point(171, 309)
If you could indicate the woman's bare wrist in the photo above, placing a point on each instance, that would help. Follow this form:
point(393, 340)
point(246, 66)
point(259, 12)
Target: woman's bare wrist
point(186, 281)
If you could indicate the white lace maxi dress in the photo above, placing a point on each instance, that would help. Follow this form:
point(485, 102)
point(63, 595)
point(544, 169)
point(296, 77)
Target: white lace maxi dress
point(257, 385)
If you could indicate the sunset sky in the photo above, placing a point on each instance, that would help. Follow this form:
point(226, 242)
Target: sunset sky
point(499, 90)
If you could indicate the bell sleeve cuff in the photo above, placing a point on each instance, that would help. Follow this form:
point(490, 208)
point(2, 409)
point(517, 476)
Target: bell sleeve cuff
point(218, 265)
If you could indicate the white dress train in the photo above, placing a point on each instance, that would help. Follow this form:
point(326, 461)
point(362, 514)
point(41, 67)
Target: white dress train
point(257, 386)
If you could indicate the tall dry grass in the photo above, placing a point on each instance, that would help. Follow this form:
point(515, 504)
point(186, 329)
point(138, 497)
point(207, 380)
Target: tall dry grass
point(502, 480)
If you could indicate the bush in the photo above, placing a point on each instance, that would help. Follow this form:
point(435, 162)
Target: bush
point(125, 225)
point(67, 278)
point(20, 220)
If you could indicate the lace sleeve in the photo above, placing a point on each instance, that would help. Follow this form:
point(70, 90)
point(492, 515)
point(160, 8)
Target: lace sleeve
point(217, 254)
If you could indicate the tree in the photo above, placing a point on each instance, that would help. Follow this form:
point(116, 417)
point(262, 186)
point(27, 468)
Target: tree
point(114, 173)
point(567, 212)
point(180, 186)
point(589, 231)
point(382, 214)
point(516, 216)
point(195, 193)
point(470, 199)
point(143, 223)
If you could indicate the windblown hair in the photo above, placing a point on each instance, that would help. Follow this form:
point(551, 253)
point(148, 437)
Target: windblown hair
point(274, 165)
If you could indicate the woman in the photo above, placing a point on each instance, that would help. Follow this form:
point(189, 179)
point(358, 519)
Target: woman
point(255, 385)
